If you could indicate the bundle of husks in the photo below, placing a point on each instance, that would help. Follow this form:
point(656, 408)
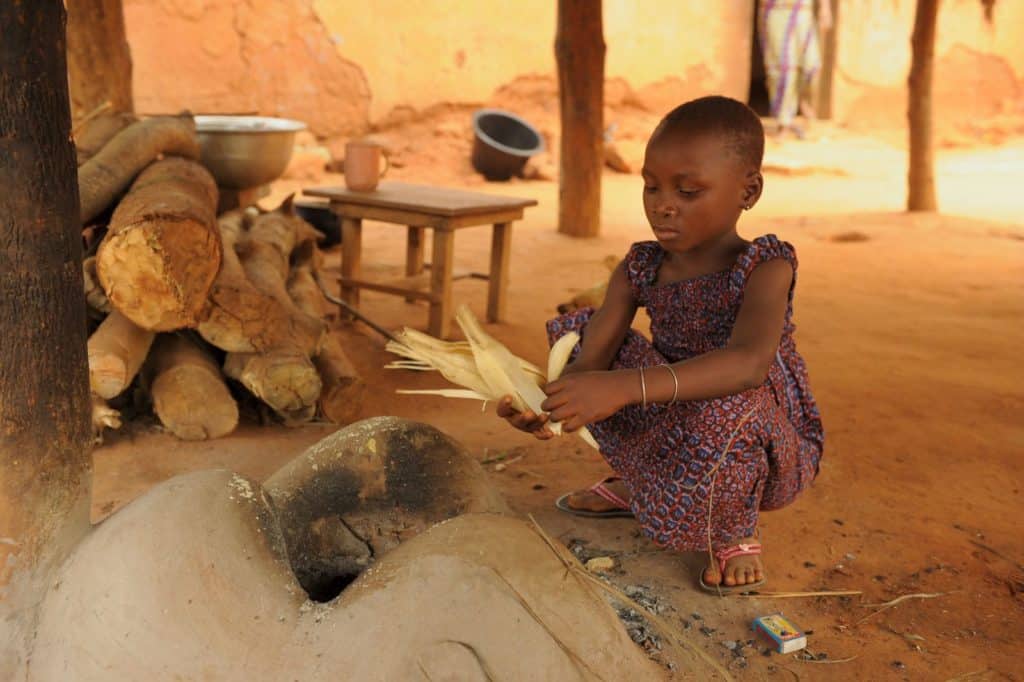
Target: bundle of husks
point(166, 264)
point(484, 367)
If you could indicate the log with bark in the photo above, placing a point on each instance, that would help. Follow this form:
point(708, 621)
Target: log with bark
point(162, 251)
point(265, 253)
point(189, 394)
point(283, 376)
point(95, 297)
point(117, 350)
point(103, 417)
point(106, 175)
point(241, 318)
point(93, 134)
point(285, 379)
point(343, 389)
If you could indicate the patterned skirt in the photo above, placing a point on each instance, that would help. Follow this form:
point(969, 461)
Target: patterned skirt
point(700, 471)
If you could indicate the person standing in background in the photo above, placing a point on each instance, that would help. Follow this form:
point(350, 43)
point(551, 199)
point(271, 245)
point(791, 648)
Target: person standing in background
point(789, 31)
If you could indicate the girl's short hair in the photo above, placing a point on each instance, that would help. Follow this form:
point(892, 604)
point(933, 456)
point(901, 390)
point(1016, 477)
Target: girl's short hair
point(731, 119)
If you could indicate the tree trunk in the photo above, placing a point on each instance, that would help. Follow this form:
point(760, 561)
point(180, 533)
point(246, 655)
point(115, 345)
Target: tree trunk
point(579, 51)
point(921, 176)
point(44, 382)
point(99, 61)
point(189, 393)
point(162, 252)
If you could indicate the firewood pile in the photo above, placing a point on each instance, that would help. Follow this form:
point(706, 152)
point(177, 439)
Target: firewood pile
point(195, 312)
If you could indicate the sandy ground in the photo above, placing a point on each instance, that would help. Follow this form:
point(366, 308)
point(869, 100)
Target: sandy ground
point(911, 327)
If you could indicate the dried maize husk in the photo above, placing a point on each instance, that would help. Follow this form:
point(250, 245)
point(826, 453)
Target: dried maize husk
point(484, 367)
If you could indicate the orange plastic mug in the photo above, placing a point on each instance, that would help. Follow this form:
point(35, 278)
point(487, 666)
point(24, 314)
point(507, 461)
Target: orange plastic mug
point(362, 165)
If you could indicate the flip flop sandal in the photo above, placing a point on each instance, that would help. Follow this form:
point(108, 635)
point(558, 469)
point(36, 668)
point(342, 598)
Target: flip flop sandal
point(745, 549)
point(600, 488)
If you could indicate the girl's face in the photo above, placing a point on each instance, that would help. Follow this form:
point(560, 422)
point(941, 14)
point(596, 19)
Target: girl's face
point(694, 189)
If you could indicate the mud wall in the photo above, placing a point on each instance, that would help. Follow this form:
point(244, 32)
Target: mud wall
point(979, 63)
point(343, 66)
point(340, 65)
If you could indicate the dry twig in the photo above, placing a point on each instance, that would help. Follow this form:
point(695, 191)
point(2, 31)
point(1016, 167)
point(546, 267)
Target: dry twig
point(993, 550)
point(826, 660)
point(667, 629)
point(889, 604)
point(966, 676)
point(792, 595)
point(90, 116)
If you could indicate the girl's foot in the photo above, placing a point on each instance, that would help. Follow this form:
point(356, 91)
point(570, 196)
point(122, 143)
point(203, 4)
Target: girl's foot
point(590, 501)
point(744, 569)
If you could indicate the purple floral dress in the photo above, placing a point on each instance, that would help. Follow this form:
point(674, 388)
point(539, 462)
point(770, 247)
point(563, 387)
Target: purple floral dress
point(733, 455)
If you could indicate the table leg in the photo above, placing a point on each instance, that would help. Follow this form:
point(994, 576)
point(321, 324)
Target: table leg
point(441, 283)
point(351, 260)
point(497, 287)
point(414, 253)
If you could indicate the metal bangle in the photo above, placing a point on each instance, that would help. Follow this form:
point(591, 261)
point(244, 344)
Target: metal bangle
point(643, 389)
point(675, 384)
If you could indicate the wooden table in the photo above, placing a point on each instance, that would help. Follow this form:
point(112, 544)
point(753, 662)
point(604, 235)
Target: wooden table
point(418, 208)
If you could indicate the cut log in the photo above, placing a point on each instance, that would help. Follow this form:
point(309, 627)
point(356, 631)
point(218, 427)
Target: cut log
point(265, 253)
point(117, 350)
point(162, 251)
point(103, 417)
point(189, 394)
point(106, 175)
point(241, 319)
point(95, 297)
point(94, 134)
point(343, 389)
point(284, 376)
point(285, 379)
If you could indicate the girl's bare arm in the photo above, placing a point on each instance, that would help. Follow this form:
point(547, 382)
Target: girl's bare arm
point(604, 334)
point(607, 327)
point(589, 396)
point(743, 363)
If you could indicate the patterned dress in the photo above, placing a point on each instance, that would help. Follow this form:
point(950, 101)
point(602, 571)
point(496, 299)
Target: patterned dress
point(733, 455)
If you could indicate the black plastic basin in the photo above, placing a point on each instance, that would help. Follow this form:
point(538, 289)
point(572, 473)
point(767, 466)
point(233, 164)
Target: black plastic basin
point(502, 143)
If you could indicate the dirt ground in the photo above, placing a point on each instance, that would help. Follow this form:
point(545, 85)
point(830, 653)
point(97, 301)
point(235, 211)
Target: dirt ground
point(911, 328)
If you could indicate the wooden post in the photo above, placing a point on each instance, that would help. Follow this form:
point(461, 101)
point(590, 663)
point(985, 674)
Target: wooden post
point(579, 51)
point(44, 381)
point(99, 61)
point(921, 174)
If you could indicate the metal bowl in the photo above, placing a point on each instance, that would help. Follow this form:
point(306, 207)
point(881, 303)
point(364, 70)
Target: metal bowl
point(246, 151)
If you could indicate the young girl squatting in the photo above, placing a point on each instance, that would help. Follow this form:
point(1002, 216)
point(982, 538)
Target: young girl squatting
point(713, 420)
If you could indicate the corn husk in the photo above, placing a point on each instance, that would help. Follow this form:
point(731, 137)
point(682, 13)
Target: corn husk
point(482, 366)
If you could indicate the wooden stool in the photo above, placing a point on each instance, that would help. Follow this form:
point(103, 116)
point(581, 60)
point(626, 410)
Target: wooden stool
point(419, 208)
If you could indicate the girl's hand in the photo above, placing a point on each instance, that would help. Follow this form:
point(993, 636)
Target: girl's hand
point(583, 398)
point(524, 421)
